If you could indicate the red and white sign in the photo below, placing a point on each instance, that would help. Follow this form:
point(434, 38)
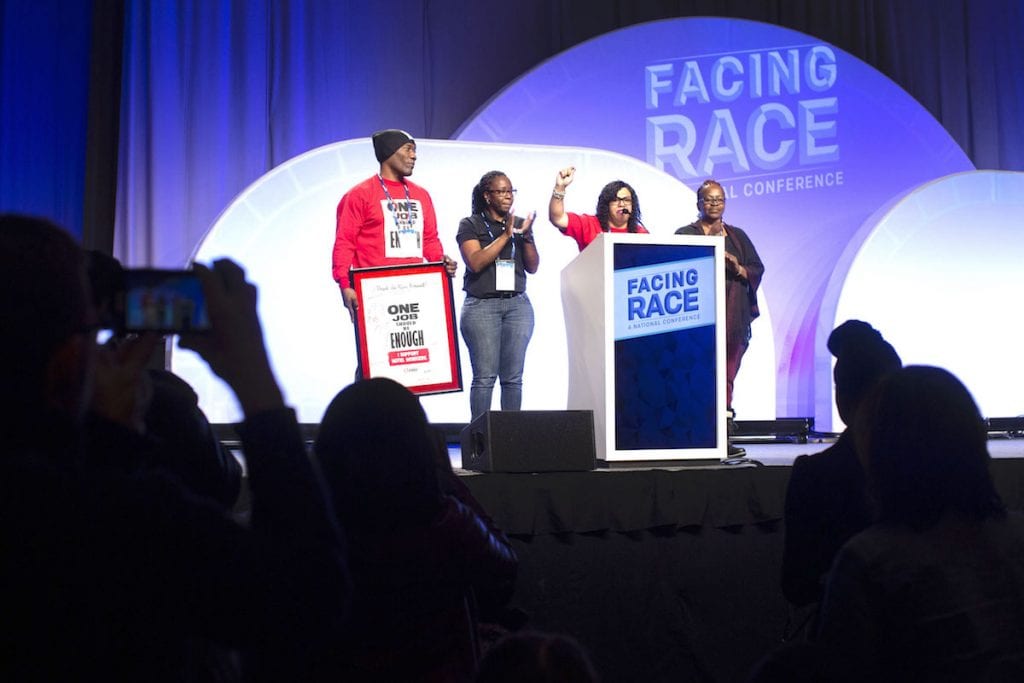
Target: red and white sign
point(406, 327)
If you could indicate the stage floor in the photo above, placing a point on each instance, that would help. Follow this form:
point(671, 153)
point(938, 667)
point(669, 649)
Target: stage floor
point(782, 453)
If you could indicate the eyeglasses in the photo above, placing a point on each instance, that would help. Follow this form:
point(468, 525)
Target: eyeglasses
point(714, 200)
point(504, 193)
point(621, 200)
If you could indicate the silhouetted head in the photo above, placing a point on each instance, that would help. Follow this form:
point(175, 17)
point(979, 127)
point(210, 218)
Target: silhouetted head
point(862, 358)
point(46, 317)
point(924, 446)
point(538, 658)
point(609, 206)
point(376, 451)
point(190, 448)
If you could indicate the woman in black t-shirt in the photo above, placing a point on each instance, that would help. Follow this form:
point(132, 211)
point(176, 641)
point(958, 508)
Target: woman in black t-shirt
point(497, 317)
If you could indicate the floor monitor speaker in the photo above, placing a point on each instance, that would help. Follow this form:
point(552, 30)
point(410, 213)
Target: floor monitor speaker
point(530, 441)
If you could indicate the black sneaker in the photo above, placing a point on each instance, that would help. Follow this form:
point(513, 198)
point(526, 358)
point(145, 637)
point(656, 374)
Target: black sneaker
point(736, 451)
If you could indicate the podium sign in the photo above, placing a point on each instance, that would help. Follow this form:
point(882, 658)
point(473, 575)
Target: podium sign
point(405, 327)
point(645, 326)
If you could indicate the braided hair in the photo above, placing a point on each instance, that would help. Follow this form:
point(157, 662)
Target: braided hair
point(479, 204)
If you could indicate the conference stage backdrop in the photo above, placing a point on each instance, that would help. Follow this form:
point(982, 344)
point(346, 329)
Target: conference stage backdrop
point(807, 141)
point(819, 154)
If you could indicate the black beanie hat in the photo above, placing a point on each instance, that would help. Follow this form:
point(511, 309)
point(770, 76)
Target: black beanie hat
point(387, 142)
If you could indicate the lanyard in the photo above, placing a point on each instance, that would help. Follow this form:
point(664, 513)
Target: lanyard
point(487, 225)
point(391, 201)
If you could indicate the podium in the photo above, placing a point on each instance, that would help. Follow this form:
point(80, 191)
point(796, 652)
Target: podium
point(645, 332)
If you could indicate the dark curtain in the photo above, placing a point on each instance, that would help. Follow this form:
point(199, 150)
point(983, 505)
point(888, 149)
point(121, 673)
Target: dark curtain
point(44, 87)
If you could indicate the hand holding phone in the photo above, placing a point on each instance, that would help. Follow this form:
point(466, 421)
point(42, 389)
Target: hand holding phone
point(161, 301)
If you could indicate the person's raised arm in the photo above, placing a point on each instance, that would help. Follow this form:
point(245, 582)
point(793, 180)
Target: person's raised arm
point(290, 586)
point(121, 390)
point(234, 346)
point(286, 491)
point(556, 207)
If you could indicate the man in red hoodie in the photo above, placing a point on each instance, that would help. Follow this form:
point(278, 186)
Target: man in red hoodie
point(386, 220)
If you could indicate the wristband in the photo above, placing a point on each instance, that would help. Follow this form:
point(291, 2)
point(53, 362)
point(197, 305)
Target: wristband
point(558, 195)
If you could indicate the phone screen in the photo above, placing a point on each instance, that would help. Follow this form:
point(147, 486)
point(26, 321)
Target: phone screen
point(166, 301)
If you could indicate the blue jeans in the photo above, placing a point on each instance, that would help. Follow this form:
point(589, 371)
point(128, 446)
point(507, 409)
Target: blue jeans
point(496, 332)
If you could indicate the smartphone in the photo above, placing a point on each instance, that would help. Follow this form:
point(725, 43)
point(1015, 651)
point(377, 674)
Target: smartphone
point(163, 301)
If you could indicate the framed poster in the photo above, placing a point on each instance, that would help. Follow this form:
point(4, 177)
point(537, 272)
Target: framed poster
point(405, 327)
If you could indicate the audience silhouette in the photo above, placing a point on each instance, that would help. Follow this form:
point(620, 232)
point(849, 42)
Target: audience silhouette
point(185, 441)
point(934, 591)
point(107, 574)
point(120, 559)
point(422, 552)
point(825, 499)
point(175, 435)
